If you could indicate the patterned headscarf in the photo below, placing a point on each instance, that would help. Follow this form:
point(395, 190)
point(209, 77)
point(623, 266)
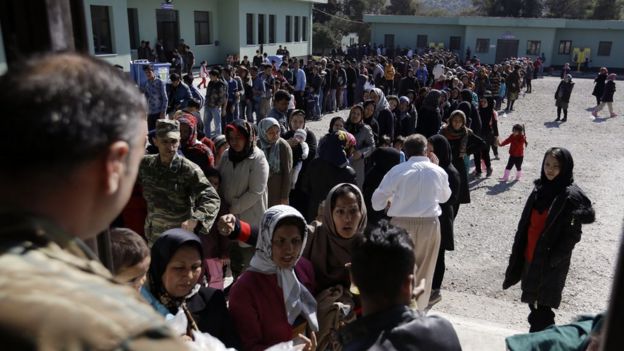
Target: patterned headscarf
point(271, 150)
point(191, 122)
point(382, 104)
point(297, 299)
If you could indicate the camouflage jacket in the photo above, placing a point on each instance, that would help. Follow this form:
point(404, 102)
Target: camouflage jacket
point(55, 295)
point(176, 193)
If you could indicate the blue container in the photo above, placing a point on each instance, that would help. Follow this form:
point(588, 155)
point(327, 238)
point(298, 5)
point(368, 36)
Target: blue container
point(161, 70)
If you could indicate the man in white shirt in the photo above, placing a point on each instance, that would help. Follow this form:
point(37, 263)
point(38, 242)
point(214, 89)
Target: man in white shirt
point(412, 192)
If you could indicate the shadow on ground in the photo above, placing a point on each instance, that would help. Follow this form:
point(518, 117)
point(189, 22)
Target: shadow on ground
point(501, 187)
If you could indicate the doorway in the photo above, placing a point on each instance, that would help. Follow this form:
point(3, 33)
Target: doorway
point(389, 41)
point(168, 28)
point(506, 48)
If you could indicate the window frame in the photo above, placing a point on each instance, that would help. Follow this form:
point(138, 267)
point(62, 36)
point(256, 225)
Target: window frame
point(133, 28)
point(202, 39)
point(261, 25)
point(567, 47)
point(600, 46)
point(288, 33)
point(532, 48)
point(249, 29)
point(96, 23)
point(297, 30)
point(272, 29)
point(304, 28)
point(482, 45)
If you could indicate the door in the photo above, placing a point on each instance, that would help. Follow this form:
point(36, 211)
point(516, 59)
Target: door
point(168, 28)
point(389, 41)
point(454, 44)
point(506, 48)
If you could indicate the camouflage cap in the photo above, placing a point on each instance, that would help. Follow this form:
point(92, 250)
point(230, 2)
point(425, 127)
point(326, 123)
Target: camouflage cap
point(166, 128)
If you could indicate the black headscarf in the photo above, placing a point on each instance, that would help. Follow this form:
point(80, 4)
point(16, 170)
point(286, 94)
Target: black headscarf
point(432, 100)
point(442, 149)
point(547, 190)
point(245, 129)
point(333, 121)
point(163, 250)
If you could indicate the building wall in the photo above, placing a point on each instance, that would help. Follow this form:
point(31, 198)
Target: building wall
point(523, 35)
point(582, 38)
point(186, 18)
point(119, 31)
point(405, 34)
point(280, 8)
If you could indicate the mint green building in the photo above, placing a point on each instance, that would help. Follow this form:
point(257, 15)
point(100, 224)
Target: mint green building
point(492, 39)
point(212, 28)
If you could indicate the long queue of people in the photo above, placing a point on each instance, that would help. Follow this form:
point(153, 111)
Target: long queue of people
point(315, 262)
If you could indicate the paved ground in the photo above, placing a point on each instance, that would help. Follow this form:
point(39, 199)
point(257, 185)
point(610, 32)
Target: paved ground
point(473, 298)
point(485, 228)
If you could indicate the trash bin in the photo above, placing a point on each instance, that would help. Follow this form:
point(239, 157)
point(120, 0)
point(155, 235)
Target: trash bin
point(161, 70)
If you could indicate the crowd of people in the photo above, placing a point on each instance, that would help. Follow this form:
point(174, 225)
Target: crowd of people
point(334, 241)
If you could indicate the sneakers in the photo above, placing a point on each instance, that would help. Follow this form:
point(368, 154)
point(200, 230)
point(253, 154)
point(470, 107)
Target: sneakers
point(613, 115)
point(595, 114)
point(489, 172)
point(434, 298)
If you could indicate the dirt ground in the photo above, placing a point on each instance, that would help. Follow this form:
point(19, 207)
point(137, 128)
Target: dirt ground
point(484, 229)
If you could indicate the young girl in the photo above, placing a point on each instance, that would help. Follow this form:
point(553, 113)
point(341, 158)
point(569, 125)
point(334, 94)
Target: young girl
point(203, 74)
point(518, 141)
point(549, 229)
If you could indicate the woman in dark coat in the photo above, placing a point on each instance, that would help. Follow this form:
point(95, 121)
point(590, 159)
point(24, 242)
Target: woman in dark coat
point(382, 160)
point(330, 168)
point(549, 229)
point(429, 118)
point(174, 281)
point(599, 84)
point(442, 149)
point(463, 142)
point(562, 97)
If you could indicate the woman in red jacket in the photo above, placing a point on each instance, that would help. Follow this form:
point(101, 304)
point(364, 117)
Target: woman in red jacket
point(271, 302)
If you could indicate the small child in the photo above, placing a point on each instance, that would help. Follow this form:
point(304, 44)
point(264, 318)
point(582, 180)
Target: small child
point(518, 141)
point(300, 136)
point(398, 144)
point(203, 74)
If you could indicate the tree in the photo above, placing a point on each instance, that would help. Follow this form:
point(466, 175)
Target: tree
point(323, 38)
point(531, 8)
point(607, 10)
point(403, 7)
point(568, 8)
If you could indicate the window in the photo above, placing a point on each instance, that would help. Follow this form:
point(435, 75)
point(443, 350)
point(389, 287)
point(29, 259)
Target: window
point(304, 28)
point(564, 47)
point(133, 28)
point(288, 35)
point(272, 29)
point(261, 38)
point(604, 48)
point(483, 46)
point(100, 24)
point(454, 43)
point(296, 28)
point(421, 41)
point(202, 28)
point(250, 37)
point(533, 47)
point(168, 28)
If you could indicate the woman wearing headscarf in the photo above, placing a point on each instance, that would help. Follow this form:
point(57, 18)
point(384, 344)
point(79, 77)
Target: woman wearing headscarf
point(174, 280)
point(599, 84)
point(279, 156)
point(330, 168)
point(365, 141)
point(335, 124)
point(439, 146)
point(244, 173)
point(192, 148)
point(369, 118)
point(329, 249)
point(429, 118)
point(489, 129)
point(549, 228)
point(297, 121)
point(272, 301)
point(562, 97)
point(382, 114)
point(382, 160)
point(463, 142)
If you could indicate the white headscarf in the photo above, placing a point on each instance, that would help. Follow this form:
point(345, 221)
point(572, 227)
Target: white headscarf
point(383, 102)
point(297, 298)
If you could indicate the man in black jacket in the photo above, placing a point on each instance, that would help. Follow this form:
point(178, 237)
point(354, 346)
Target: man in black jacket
point(381, 268)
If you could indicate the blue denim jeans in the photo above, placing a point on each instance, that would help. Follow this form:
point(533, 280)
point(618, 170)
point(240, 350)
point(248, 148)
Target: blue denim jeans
point(212, 114)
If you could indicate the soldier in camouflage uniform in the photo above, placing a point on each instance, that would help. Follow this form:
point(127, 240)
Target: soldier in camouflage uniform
point(176, 190)
point(67, 169)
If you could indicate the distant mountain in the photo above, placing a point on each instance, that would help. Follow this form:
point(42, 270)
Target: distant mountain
point(452, 7)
